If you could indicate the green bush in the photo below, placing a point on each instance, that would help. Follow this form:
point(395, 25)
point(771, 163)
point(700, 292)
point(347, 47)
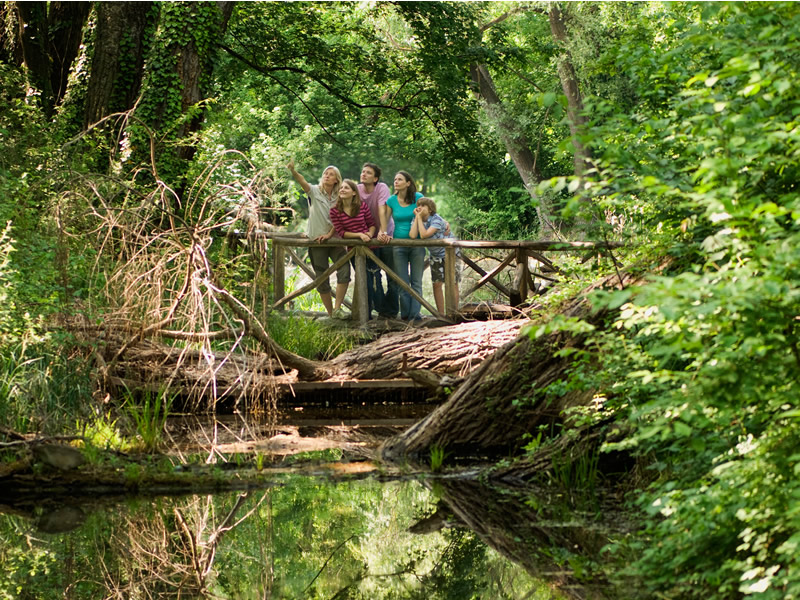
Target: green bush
point(703, 360)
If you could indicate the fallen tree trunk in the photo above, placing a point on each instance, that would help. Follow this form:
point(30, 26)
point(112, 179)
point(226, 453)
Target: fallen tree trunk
point(455, 350)
point(504, 399)
point(200, 375)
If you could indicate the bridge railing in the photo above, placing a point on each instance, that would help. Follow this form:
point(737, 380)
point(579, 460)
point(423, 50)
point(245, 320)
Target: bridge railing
point(283, 244)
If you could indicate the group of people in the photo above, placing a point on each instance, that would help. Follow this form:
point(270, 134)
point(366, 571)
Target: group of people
point(367, 211)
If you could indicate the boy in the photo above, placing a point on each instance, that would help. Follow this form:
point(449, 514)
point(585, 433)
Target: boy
point(428, 224)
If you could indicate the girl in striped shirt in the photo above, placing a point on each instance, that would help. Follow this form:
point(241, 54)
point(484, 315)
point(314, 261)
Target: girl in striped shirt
point(352, 219)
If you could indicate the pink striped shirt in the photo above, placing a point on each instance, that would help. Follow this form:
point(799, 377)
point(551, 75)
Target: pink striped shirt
point(343, 223)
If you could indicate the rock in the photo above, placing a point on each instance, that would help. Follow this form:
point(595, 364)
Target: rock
point(59, 456)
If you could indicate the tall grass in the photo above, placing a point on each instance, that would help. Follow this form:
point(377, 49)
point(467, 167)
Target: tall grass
point(42, 388)
point(149, 414)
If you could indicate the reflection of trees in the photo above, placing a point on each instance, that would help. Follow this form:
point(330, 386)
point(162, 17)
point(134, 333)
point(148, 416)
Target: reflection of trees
point(542, 535)
point(307, 538)
point(171, 553)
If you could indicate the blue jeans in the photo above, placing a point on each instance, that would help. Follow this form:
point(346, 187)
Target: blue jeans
point(385, 303)
point(374, 289)
point(409, 264)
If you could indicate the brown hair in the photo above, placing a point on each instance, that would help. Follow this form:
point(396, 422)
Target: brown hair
point(356, 198)
point(429, 203)
point(375, 169)
point(411, 190)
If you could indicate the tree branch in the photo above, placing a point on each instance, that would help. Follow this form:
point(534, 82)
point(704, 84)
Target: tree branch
point(307, 369)
point(327, 560)
point(333, 91)
point(508, 14)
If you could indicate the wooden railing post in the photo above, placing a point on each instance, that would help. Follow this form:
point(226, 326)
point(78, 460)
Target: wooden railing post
point(450, 283)
point(520, 287)
point(278, 273)
point(360, 297)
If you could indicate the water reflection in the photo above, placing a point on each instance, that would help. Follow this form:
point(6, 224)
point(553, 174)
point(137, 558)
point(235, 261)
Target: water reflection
point(548, 533)
point(305, 537)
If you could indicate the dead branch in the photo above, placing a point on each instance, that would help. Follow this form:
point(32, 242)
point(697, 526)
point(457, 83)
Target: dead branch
point(307, 369)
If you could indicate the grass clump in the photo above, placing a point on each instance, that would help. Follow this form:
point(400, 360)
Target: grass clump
point(149, 414)
point(310, 338)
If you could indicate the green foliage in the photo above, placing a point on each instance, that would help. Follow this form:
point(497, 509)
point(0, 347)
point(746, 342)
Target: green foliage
point(572, 325)
point(174, 89)
point(438, 454)
point(694, 139)
point(100, 433)
point(703, 360)
point(577, 476)
point(149, 414)
point(42, 387)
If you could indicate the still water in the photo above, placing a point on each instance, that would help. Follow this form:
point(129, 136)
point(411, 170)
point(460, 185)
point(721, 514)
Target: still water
point(313, 524)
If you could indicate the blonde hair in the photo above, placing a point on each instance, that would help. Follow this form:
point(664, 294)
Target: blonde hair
point(429, 203)
point(356, 198)
point(337, 185)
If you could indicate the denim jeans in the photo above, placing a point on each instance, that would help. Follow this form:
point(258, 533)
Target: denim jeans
point(386, 303)
point(374, 289)
point(409, 263)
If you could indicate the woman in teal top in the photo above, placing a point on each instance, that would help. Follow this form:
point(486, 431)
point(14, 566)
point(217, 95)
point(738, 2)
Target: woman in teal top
point(409, 262)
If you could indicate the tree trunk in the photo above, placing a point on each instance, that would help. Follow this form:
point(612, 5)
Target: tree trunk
point(33, 38)
point(569, 83)
point(515, 141)
point(116, 72)
point(65, 23)
point(10, 48)
point(492, 410)
point(180, 68)
point(204, 376)
point(191, 66)
point(455, 350)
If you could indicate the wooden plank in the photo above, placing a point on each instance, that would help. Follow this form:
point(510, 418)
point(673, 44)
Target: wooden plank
point(477, 268)
point(543, 276)
point(297, 419)
point(548, 246)
point(531, 283)
point(403, 285)
point(301, 263)
point(544, 260)
point(485, 310)
point(520, 286)
point(308, 270)
point(353, 384)
point(316, 282)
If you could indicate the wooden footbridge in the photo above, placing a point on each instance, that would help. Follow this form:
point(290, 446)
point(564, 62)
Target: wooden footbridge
point(391, 366)
point(517, 254)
